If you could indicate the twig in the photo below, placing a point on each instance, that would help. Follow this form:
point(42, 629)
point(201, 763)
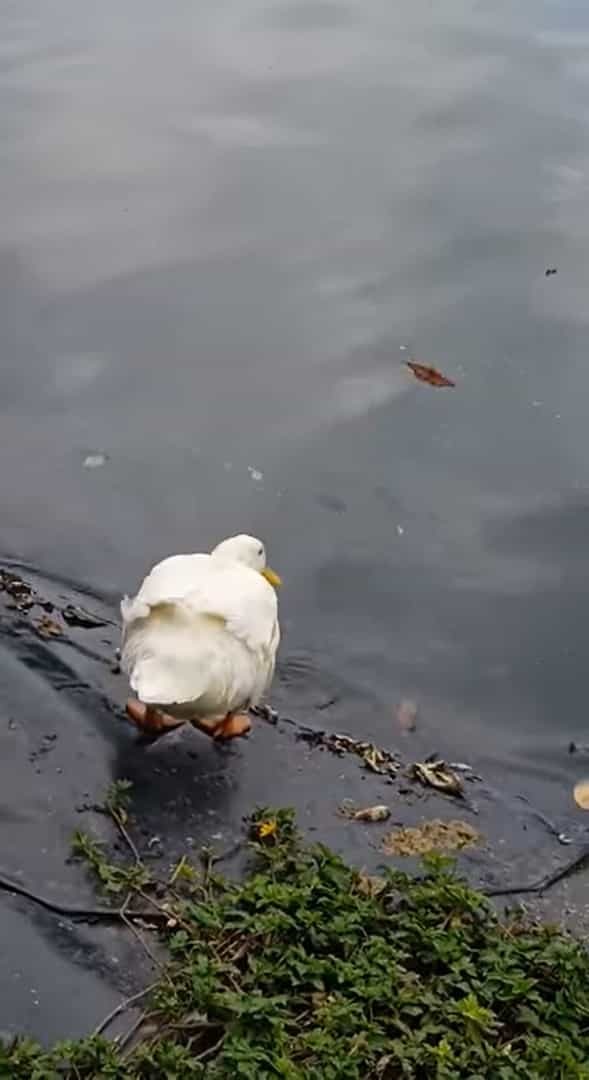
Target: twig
point(228, 853)
point(138, 935)
point(212, 1050)
point(180, 866)
point(544, 883)
point(126, 1038)
point(209, 858)
point(164, 914)
point(546, 822)
point(116, 817)
point(121, 1008)
point(70, 911)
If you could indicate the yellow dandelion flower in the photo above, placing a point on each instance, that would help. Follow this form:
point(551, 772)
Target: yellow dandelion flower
point(267, 828)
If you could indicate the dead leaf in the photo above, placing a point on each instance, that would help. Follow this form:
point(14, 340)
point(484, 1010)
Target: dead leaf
point(47, 628)
point(382, 1065)
point(78, 616)
point(366, 813)
point(436, 774)
point(432, 835)
point(372, 813)
point(429, 375)
point(407, 716)
point(14, 585)
point(369, 884)
point(373, 759)
point(20, 592)
point(376, 759)
point(581, 794)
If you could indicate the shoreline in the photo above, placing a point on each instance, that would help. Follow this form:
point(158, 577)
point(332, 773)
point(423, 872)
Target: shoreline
point(65, 740)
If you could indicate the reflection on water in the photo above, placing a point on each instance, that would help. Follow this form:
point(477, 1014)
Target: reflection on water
point(224, 228)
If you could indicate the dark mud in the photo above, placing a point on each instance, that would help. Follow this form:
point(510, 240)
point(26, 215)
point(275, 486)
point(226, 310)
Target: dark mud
point(64, 738)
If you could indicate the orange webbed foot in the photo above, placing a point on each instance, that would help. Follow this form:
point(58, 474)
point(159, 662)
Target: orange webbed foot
point(233, 726)
point(151, 721)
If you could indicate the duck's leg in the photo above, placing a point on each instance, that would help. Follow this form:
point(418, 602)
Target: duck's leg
point(151, 721)
point(232, 726)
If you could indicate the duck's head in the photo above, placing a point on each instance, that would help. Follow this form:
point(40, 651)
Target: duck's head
point(250, 552)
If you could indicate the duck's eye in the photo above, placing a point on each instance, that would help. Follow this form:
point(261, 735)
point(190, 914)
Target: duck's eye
point(260, 551)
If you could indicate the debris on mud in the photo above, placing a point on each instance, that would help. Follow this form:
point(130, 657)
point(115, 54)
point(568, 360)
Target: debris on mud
point(434, 835)
point(19, 591)
point(78, 616)
point(376, 760)
point(262, 712)
point(23, 597)
point(432, 773)
point(47, 628)
point(365, 813)
point(436, 774)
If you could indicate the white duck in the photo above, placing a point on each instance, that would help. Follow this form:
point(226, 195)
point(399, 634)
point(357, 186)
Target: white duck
point(200, 639)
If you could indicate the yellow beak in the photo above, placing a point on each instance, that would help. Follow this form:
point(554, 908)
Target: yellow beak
point(272, 577)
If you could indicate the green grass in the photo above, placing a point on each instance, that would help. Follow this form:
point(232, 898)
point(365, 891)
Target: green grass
point(309, 970)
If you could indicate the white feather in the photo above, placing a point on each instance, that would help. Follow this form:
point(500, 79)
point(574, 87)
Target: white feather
point(200, 637)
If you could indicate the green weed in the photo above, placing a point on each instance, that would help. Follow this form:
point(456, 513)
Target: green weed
point(310, 970)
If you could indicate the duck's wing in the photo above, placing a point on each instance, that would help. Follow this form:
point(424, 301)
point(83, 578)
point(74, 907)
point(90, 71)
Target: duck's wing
point(167, 582)
point(245, 602)
point(197, 585)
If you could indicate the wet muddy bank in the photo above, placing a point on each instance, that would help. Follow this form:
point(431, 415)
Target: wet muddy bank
point(64, 739)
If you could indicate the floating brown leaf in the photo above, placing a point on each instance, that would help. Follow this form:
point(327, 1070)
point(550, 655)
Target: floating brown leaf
point(432, 835)
point(436, 774)
point(429, 375)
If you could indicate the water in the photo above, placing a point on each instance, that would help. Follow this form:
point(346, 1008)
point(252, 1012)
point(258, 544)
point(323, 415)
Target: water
point(224, 228)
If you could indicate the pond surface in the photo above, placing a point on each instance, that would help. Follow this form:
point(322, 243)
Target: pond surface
point(225, 227)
